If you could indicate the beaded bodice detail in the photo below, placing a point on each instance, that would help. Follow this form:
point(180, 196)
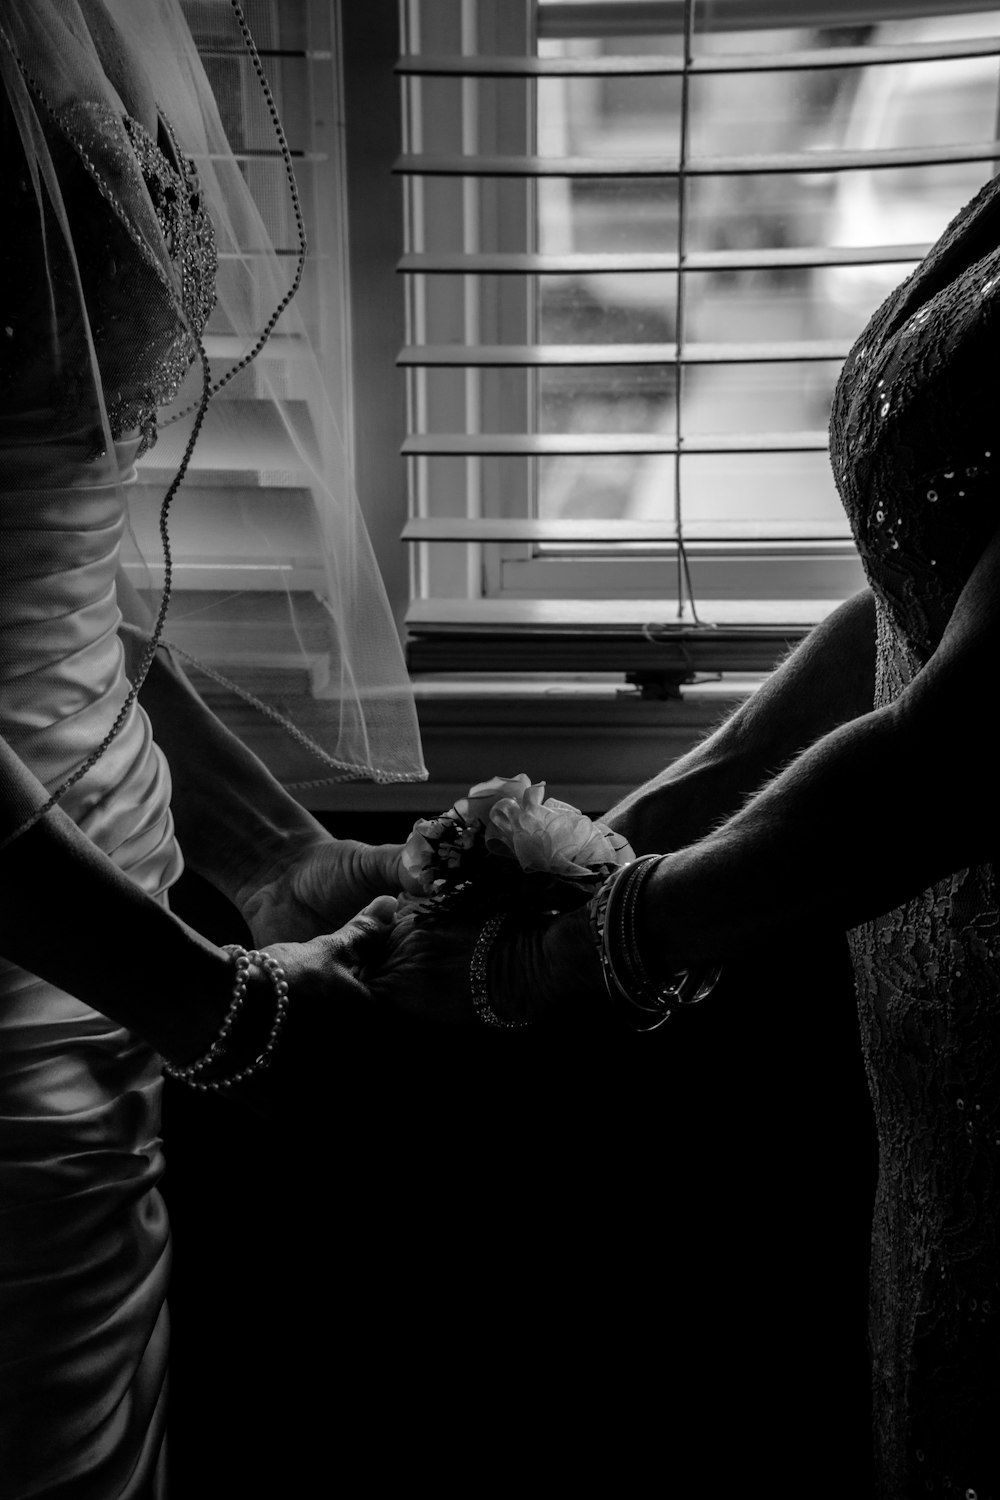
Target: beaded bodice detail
point(146, 310)
point(175, 192)
point(914, 427)
point(915, 445)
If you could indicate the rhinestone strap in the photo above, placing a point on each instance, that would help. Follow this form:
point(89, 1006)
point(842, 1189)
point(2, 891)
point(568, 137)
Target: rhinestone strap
point(477, 975)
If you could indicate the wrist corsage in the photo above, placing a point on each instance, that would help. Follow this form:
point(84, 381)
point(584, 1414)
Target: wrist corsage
point(505, 850)
point(506, 847)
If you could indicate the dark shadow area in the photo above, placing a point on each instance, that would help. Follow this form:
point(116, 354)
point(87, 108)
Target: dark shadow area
point(610, 1261)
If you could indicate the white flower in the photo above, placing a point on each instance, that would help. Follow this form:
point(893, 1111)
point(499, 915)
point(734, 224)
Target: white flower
point(553, 838)
point(509, 820)
point(476, 806)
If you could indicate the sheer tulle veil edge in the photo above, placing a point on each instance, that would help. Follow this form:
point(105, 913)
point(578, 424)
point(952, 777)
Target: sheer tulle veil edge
point(64, 385)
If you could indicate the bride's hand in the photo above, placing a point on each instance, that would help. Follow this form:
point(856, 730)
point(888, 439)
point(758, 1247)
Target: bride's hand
point(316, 887)
point(325, 981)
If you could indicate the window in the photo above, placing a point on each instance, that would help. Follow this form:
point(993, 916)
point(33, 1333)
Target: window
point(604, 233)
point(640, 239)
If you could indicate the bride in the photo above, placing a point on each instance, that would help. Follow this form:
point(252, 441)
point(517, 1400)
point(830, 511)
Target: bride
point(109, 275)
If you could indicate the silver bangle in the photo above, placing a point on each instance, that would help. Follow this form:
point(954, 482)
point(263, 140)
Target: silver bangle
point(643, 1004)
point(477, 975)
point(243, 960)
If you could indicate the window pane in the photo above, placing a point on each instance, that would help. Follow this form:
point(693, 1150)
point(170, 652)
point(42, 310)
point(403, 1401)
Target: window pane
point(755, 490)
point(598, 488)
point(603, 308)
point(792, 396)
point(608, 398)
point(608, 116)
point(606, 214)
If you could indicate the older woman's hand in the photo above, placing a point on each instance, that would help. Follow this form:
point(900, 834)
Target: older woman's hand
point(537, 969)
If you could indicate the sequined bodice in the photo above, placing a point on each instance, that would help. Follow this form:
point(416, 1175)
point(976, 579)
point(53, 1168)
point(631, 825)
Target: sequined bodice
point(144, 321)
point(915, 431)
point(915, 445)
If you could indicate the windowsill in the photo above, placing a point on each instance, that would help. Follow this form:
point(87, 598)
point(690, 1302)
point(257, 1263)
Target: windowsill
point(591, 738)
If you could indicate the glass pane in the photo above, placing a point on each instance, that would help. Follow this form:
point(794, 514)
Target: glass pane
point(752, 212)
point(788, 397)
point(769, 491)
point(758, 307)
point(608, 116)
point(757, 113)
point(608, 308)
point(845, 297)
point(606, 215)
point(716, 23)
point(608, 398)
point(573, 485)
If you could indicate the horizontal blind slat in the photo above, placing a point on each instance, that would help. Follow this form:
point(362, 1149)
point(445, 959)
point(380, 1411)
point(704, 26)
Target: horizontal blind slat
point(645, 18)
point(568, 616)
point(821, 534)
point(525, 356)
point(711, 64)
point(260, 154)
point(540, 444)
point(426, 164)
point(582, 263)
point(242, 442)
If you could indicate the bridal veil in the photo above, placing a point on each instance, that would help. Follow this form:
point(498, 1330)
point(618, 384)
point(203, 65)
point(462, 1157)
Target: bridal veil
point(71, 358)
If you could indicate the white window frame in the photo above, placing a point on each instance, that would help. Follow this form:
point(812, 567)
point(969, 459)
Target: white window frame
point(513, 582)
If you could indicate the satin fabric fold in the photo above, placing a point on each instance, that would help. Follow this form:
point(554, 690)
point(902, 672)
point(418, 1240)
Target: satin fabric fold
point(84, 1241)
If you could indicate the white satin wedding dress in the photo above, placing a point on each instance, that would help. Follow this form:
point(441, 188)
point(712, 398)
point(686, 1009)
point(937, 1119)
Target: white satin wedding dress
point(84, 1241)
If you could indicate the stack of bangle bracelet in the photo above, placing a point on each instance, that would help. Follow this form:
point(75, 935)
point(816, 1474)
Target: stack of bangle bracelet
point(243, 959)
point(613, 912)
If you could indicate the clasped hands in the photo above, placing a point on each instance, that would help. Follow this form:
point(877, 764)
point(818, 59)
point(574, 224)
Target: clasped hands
point(339, 916)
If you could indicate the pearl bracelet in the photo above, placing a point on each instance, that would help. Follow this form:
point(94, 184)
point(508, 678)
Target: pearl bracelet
point(243, 960)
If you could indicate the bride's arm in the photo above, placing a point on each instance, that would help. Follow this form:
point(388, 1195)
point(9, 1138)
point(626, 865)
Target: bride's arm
point(237, 826)
point(867, 817)
point(70, 916)
point(826, 681)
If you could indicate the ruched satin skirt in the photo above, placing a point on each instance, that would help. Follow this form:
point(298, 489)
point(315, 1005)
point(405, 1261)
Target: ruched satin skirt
point(84, 1241)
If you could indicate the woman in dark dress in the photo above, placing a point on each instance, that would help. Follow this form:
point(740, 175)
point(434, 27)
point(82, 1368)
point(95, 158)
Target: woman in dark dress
point(858, 787)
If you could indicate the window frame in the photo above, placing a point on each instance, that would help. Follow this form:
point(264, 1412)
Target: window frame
point(528, 580)
point(500, 697)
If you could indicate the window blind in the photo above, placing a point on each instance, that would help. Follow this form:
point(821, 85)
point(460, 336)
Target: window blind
point(243, 541)
point(595, 233)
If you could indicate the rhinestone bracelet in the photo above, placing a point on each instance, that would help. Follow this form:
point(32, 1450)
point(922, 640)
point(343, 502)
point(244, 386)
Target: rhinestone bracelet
point(477, 975)
point(243, 960)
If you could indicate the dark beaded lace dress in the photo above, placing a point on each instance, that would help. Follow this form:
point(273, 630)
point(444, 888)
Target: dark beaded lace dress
point(915, 445)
